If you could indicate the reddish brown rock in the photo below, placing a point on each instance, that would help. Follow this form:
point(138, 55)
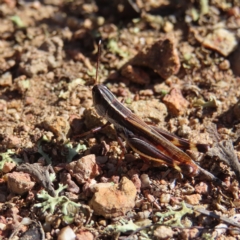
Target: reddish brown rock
point(193, 199)
point(114, 200)
point(84, 169)
point(19, 182)
point(175, 102)
point(8, 167)
point(162, 57)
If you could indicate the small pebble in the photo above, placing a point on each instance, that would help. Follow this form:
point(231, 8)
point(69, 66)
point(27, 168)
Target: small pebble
point(163, 232)
point(165, 198)
point(168, 27)
point(66, 233)
point(8, 167)
point(175, 102)
point(193, 199)
point(224, 65)
point(145, 181)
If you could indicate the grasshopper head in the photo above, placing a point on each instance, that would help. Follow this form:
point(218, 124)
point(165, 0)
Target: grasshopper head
point(102, 99)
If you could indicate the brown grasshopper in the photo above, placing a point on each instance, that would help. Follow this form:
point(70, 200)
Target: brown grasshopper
point(150, 142)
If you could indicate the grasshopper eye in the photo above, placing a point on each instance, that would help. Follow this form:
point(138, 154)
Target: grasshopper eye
point(102, 94)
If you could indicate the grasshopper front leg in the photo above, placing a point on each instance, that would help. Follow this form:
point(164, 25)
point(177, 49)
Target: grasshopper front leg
point(94, 130)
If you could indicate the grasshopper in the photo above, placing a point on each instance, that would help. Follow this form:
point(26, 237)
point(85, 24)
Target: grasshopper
point(148, 141)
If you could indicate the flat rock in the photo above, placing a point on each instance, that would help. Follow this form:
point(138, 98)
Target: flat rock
point(221, 40)
point(114, 200)
point(162, 57)
point(149, 111)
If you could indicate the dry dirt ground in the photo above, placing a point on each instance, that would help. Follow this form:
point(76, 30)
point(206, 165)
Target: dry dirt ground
point(175, 64)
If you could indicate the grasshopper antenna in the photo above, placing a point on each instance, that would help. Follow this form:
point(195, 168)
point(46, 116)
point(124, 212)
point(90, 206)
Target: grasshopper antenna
point(98, 59)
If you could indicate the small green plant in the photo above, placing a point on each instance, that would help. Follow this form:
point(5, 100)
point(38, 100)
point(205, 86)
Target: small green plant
point(6, 158)
point(174, 218)
point(213, 102)
point(207, 236)
point(72, 152)
point(18, 21)
point(67, 207)
point(113, 47)
point(174, 215)
point(125, 226)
